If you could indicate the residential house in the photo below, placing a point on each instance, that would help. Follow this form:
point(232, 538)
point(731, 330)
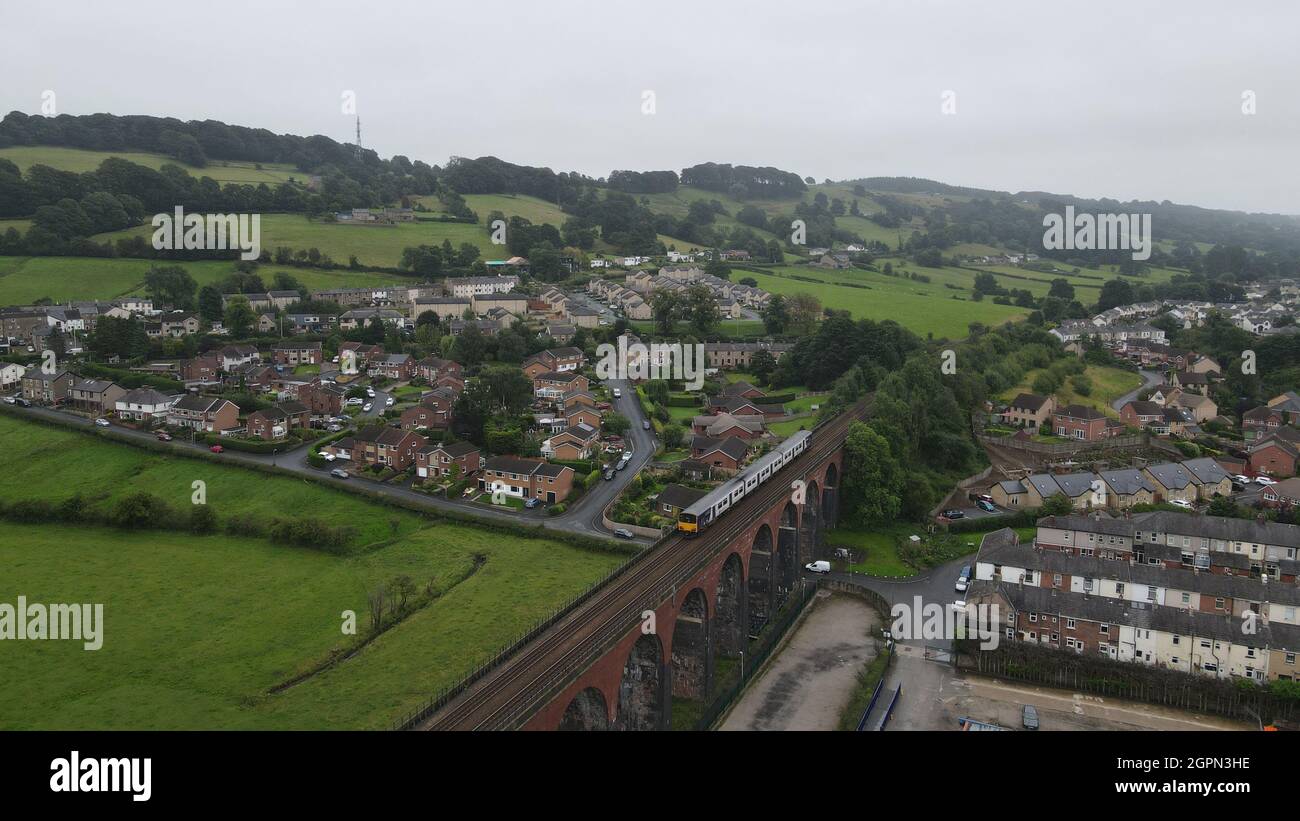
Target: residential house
point(297, 353)
point(1273, 456)
point(726, 453)
point(96, 396)
point(527, 478)
point(382, 445)
point(47, 388)
point(723, 425)
point(144, 405)
point(553, 385)
point(277, 421)
point(459, 459)
point(1080, 422)
point(206, 414)
point(674, 498)
point(576, 442)
point(1285, 493)
point(11, 375)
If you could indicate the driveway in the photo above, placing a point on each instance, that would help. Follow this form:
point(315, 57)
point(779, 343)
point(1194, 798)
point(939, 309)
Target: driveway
point(1149, 380)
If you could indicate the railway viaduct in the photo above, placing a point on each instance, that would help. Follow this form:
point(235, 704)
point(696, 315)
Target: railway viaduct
point(685, 607)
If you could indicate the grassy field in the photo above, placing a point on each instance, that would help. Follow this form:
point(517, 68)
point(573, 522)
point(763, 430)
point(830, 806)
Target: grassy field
point(79, 160)
point(371, 244)
point(880, 548)
point(26, 279)
point(199, 629)
point(926, 308)
point(1108, 384)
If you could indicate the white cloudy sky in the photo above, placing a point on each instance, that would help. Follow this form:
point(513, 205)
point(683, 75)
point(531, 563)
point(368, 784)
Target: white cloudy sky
point(1130, 99)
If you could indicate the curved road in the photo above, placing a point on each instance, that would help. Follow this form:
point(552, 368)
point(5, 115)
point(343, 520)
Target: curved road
point(583, 518)
point(1149, 380)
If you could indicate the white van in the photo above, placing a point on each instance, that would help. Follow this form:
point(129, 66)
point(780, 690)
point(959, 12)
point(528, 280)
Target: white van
point(818, 567)
point(618, 394)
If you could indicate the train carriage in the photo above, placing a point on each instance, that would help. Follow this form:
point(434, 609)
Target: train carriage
point(699, 516)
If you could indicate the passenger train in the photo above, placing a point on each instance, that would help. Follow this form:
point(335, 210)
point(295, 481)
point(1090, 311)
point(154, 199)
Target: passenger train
point(708, 509)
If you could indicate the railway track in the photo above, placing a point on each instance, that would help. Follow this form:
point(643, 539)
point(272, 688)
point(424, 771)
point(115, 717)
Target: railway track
point(523, 683)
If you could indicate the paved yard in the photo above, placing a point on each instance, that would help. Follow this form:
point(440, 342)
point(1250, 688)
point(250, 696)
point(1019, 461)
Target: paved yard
point(807, 685)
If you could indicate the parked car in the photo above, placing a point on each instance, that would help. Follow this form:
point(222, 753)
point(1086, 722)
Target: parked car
point(366, 407)
point(1265, 481)
point(1029, 717)
point(163, 436)
point(988, 507)
point(334, 428)
point(618, 394)
point(339, 473)
point(370, 392)
point(328, 457)
point(954, 514)
point(470, 491)
point(9, 400)
point(609, 474)
point(1242, 478)
point(1184, 504)
point(963, 581)
point(603, 406)
point(22, 403)
point(217, 449)
point(624, 533)
point(532, 503)
point(102, 422)
point(354, 401)
point(388, 401)
point(645, 424)
point(818, 567)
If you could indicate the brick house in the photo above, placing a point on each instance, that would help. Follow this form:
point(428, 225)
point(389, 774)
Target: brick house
point(382, 445)
point(724, 424)
point(554, 360)
point(1285, 493)
point(322, 398)
point(435, 460)
point(1273, 456)
point(674, 498)
point(297, 353)
point(582, 415)
point(431, 369)
point(527, 478)
point(208, 414)
point(201, 371)
point(1079, 422)
point(1029, 410)
point(1261, 421)
point(234, 357)
point(427, 414)
point(1142, 414)
point(399, 366)
point(275, 422)
point(553, 385)
point(740, 406)
point(95, 396)
point(576, 442)
point(727, 453)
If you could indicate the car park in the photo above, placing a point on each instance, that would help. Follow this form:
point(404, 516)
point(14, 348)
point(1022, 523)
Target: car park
point(102, 422)
point(217, 449)
point(339, 473)
point(624, 533)
point(963, 581)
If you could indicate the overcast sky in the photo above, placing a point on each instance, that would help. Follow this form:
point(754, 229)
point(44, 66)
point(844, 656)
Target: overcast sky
point(1120, 99)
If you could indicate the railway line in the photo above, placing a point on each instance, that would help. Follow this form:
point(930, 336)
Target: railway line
point(505, 697)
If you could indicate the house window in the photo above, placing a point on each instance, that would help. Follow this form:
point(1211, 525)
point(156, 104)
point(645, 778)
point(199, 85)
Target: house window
point(1218, 604)
point(1033, 617)
point(1187, 598)
point(1290, 658)
point(1178, 640)
point(1105, 629)
point(1069, 624)
point(1119, 589)
point(1056, 580)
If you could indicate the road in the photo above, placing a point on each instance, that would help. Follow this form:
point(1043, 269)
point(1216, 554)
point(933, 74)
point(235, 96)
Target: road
point(1149, 380)
point(583, 517)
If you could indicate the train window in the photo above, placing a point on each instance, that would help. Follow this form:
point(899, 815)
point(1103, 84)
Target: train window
point(688, 518)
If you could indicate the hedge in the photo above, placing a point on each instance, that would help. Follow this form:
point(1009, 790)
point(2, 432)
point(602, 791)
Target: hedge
point(984, 524)
point(684, 401)
point(251, 446)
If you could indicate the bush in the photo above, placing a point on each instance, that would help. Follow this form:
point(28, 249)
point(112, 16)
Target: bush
point(140, 511)
point(556, 510)
point(203, 520)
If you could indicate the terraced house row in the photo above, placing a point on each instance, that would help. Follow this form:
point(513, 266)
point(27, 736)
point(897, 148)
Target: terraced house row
point(1198, 594)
